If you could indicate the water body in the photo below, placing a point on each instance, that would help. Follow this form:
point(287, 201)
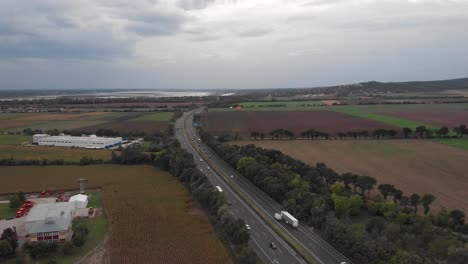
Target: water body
point(105, 94)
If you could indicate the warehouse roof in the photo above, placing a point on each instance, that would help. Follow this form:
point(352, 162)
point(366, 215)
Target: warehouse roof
point(49, 217)
point(79, 198)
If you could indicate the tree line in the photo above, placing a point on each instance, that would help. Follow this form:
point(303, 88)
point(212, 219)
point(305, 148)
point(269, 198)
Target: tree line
point(381, 133)
point(368, 222)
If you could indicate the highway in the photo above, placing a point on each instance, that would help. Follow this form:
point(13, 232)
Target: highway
point(261, 233)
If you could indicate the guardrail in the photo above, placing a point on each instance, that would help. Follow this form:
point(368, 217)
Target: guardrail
point(266, 217)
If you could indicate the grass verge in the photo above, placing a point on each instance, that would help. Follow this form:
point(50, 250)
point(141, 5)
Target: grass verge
point(453, 142)
point(6, 211)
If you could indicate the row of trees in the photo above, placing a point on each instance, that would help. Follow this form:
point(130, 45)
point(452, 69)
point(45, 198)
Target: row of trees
point(420, 131)
point(394, 228)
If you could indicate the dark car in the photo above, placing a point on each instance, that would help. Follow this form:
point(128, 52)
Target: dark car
point(273, 245)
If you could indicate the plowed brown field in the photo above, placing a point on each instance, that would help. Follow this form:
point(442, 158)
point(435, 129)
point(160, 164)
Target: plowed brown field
point(148, 127)
point(412, 166)
point(149, 212)
point(244, 123)
point(449, 119)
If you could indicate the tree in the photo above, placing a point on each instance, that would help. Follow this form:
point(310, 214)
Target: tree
point(342, 205)
point(386, 190)
point(421, 130)
point(460, 130)
point(5, 249)
point(10, 236)
point(397, 194)
point(365, 183)
point(15, 201)
point(355, 202)
point(376, 224)
point(415, 200)
point(427, 200)
point(407, 131)
point(457, 218)
point(246, 256)
point(348, 178)
point(443, 131)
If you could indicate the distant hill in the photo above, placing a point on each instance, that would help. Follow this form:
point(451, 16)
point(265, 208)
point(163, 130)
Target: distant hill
point(373, 87)
point(416, 86)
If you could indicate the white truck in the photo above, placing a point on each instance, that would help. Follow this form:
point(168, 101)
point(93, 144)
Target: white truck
point(288, 218)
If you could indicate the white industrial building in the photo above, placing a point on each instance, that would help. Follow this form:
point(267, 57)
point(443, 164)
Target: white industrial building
point(80, 142)
point(80, 200)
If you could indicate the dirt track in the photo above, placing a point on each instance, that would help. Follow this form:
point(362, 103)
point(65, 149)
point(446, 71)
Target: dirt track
point(412, 166)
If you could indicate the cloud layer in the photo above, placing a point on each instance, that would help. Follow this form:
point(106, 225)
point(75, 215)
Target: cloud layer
point(228, 43)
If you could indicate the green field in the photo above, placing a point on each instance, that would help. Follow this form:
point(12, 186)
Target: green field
point(159, 116)
point(454, 142)
point(382, 118)
point(94, 199)
point(51, 153)
point(14, 139)
point(6, 211)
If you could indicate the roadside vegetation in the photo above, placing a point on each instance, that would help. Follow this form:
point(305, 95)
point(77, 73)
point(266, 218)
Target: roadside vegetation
point(394, 227)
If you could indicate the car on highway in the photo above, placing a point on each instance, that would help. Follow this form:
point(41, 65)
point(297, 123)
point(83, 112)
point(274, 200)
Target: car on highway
point(201, 170)
point(247, 227)
point(208, 167)
point(273, 245)
point(201, 160)
point(232, 176)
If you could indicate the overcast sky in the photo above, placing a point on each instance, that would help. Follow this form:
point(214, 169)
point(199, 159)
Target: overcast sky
point(229, 43)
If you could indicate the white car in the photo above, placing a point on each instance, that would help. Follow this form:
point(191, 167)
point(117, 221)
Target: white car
point(201, 160)
point(208, 167)
point(247, 227)
point(201, 170)
point(232, 176)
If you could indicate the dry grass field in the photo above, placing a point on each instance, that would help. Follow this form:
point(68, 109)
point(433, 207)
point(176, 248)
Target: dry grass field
point(413, 166)
point(150, 214)
point(51, 153)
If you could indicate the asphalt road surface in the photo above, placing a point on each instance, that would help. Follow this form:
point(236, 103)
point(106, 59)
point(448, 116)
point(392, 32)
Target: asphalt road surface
point(261, 234)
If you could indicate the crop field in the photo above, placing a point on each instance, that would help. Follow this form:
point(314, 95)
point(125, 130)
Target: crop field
point(14, 139)
point(146, 122)
point(449, 119)
point(148, 127)
point(51, 153)
point(319, 106)
point(160, 116)
point(244, 123)
point(151, 216)
point(410, 165)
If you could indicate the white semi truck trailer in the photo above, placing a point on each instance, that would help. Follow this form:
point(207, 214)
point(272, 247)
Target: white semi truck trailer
point(288, 218)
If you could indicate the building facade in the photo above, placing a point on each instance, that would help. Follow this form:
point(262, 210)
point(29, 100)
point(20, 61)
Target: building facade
point(50, 222)
point(80, 142)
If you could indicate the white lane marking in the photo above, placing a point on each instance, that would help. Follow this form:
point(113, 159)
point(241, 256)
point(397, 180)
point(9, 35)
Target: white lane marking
point(264, 234)
point(264, 253)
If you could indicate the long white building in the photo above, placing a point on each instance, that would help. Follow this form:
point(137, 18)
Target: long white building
point(80, 142)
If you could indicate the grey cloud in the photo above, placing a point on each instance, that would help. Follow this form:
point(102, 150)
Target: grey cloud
point(194, 4)
point(156, 23)
point(252, 32)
